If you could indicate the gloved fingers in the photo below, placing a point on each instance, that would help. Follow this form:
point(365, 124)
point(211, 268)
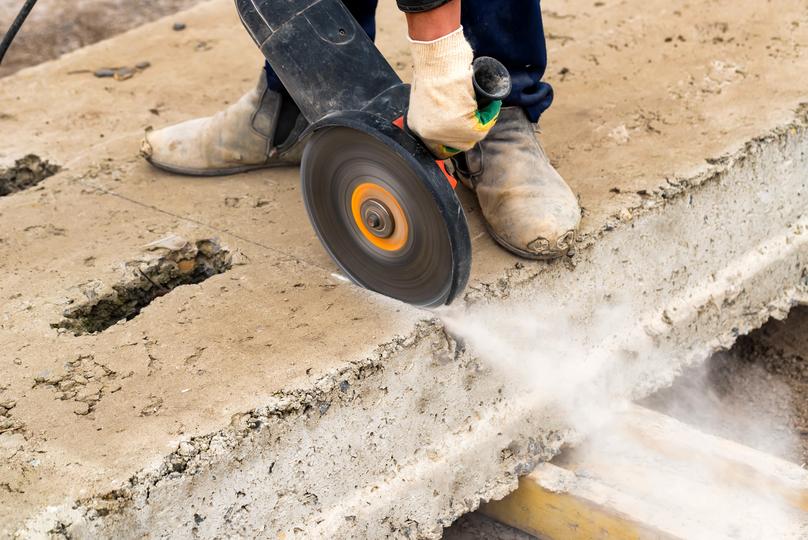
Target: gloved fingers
point(480, 124)
point(443, 111)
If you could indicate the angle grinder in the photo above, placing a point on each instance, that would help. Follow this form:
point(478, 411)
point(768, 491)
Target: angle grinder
point(382, 206)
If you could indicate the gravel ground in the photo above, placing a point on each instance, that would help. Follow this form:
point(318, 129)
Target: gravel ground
point(478, 527)
point(59, 26)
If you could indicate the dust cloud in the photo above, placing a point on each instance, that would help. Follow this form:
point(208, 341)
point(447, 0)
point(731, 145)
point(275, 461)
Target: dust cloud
point(590, 366)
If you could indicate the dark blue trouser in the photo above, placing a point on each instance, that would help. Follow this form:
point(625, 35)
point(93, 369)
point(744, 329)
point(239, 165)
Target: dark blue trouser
point(509, 30)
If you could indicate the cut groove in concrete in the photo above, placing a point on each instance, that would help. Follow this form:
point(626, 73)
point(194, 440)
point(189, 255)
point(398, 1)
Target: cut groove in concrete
point(25, 173)
point(178, 262)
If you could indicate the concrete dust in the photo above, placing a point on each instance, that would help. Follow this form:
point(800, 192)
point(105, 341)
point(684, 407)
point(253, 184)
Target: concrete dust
point(581, 364)
point(175, 262)
point(759, 388)
point(25, 173)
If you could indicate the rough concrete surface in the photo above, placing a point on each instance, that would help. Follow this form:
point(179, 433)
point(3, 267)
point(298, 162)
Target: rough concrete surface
point(275, 399)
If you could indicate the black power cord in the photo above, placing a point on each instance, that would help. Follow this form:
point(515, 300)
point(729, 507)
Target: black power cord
point(15, 27)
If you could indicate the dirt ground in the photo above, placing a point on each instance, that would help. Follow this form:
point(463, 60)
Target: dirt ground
point(476, 526)
point(756, 393)
point(59, 26)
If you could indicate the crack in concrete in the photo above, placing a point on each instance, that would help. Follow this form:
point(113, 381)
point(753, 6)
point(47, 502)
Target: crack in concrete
point(85, 382)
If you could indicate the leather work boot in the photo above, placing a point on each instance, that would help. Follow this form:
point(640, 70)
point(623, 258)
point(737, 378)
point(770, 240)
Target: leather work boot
point(527, 206)
point(259, 130)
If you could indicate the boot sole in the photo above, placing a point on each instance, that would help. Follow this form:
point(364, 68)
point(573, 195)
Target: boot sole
point(521, 252)
point(219, 172)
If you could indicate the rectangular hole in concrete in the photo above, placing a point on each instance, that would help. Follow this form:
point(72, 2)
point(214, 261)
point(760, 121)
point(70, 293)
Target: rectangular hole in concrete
point(176, 262)
point(26, 173)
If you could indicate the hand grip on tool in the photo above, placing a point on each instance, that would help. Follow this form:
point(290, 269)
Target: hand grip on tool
point(492, 84)
point(491, 81)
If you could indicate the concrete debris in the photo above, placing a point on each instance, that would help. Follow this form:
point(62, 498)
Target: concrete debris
point(121, 73)
point(25, 173)
point(7, 423)
point(83, 381)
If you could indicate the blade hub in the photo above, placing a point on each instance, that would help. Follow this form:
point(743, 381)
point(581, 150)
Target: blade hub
point(378, 219)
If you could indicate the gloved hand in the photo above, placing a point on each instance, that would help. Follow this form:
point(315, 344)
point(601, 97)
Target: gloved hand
point(443, 111)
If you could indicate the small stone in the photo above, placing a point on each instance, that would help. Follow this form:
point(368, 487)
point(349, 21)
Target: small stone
point(83, 409)
point(143, 65)
point(104, 72)
point(8, 405)
point(124, 73)
point(186, 449)
point(178, 26)
point(186, 266)
point(66, 384)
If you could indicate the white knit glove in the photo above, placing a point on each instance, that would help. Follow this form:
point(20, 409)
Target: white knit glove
point(443, 111)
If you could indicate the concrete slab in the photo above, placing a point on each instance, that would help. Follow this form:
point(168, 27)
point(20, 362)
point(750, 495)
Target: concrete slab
point(277, 400)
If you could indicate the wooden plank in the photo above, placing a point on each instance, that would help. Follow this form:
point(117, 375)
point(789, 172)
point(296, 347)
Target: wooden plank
point(648, 476)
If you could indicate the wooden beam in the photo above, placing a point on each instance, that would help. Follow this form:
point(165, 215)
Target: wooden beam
point(649, 476)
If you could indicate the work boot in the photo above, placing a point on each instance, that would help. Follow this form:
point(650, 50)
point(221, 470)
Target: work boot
point(259, 130)
point(527, 206)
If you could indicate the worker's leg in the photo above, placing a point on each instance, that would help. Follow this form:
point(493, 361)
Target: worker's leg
point(512, 32)
point(259, 130)
point(529, 208)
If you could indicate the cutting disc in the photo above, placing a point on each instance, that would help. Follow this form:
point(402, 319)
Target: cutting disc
point(378, 218)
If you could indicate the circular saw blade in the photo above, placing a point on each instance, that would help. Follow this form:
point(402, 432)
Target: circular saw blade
point(377, 218)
